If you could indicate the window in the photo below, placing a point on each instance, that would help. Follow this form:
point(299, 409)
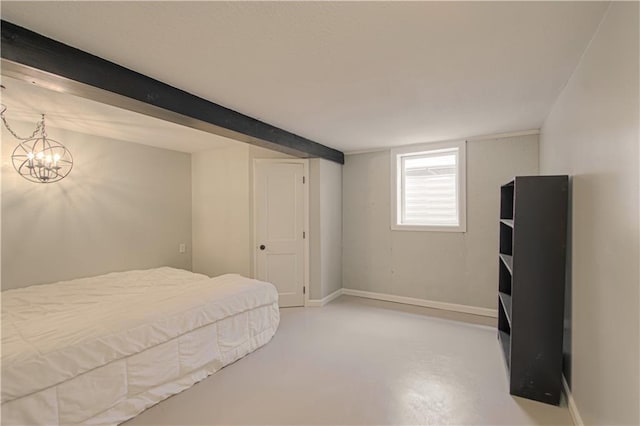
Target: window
point(428, 187)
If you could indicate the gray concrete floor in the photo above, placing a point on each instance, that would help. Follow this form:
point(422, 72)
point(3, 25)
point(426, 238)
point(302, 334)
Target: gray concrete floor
point(358, 361)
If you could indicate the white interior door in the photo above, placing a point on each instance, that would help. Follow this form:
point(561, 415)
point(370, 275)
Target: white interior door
point(279, 213)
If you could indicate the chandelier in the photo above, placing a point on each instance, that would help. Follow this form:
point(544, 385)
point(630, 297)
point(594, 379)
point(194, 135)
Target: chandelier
point(39, 158)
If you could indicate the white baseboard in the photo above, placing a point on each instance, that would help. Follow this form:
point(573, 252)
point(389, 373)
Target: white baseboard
point(318, 303)
point(474, 310)
point(486, 312)
point(573, 408)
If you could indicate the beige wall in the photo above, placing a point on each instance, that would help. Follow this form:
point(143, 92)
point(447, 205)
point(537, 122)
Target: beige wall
point(325, 223)
point(124, 206)
point(315, 239)
point(460, 268)
point(221, 219)
point(592, 134)
point(331, 225)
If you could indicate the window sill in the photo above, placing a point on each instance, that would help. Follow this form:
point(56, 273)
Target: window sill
point(428, 228)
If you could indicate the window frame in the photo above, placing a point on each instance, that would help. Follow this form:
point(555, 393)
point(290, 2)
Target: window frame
point(396, 155)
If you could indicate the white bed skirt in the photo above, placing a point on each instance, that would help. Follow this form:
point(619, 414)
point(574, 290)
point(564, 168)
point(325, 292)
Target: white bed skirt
point(232, 317)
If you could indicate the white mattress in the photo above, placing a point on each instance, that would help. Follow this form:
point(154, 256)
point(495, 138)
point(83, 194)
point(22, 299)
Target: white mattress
point(100, 350)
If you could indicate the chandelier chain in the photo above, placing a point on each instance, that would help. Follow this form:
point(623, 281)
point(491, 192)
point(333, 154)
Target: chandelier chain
point(39, 127)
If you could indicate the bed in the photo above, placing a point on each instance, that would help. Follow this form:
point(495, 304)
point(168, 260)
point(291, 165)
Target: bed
point(101, 350)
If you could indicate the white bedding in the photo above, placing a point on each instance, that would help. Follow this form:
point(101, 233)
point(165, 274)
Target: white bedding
point(100, 350)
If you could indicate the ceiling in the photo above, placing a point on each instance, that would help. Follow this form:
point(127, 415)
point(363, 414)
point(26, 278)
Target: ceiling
point(25, 102)
point(350, 75)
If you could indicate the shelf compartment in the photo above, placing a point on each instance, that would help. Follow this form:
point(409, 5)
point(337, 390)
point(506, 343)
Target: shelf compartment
point(506, 239)
point(503, 322)
point(504, 335)
point(504, 277)
point(506, 201)
point(505, 343)
point(508, 262)
point(505, 299)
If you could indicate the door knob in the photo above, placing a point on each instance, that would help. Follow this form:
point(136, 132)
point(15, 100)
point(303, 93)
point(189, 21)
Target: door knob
point(262, 247)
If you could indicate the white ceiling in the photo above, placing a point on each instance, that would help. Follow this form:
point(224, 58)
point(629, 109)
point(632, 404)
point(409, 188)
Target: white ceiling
point(350, 75)
point(25, 102)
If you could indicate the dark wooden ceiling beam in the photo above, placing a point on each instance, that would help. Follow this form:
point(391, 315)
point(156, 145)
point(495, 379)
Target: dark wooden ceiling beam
point(33, 57)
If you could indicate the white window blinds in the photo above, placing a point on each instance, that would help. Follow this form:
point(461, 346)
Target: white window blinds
point(429, 189)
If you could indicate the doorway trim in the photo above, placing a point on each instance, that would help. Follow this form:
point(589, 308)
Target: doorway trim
point(306, 245)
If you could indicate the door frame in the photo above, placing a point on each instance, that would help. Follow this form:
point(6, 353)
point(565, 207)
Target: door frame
point(305, 189)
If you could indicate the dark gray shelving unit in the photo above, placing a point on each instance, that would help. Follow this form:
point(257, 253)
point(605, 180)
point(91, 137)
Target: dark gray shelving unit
point(533, 238)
